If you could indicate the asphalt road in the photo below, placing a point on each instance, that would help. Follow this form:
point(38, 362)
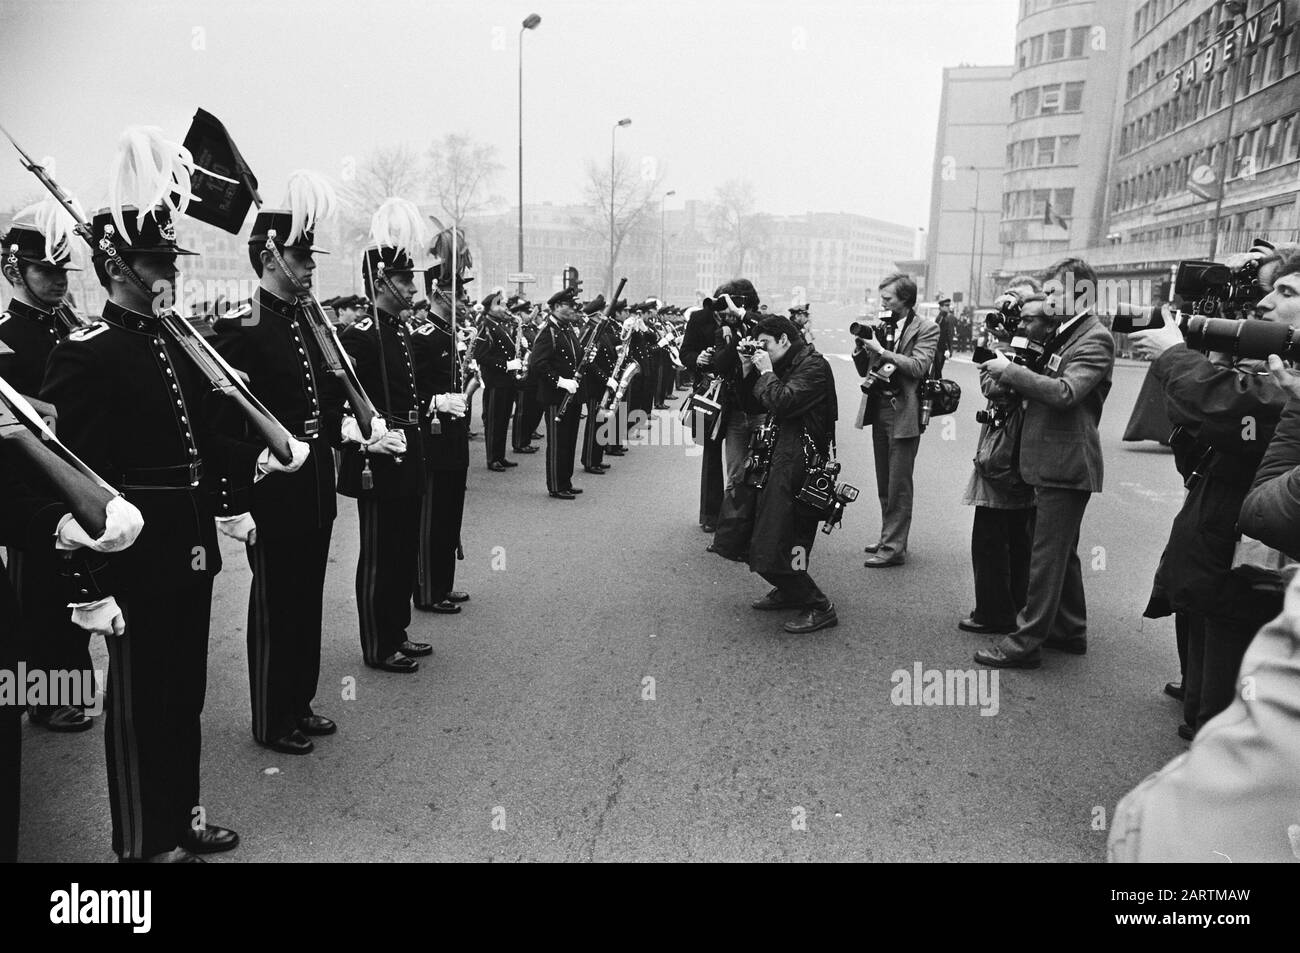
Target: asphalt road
point(529, 736)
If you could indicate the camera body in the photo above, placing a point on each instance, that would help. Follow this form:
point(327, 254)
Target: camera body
point(762, 441)
point(822, 493)
point(750, 346)
point(1208, 289)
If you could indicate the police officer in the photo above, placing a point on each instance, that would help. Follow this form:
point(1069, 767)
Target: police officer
point(285, 522)
point(36, 319)
point(556, 356)
point(385, 472)
point(496, 351)
point(444, 429)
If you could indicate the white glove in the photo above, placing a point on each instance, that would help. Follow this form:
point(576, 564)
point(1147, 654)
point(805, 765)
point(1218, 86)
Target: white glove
point(453, 404)
point(514, 364)
point(267, 463)
point(665, 340)
point(122, 525)
point(612, 383)
point(241, 527)
point(352, 431)
point(99, 618)
point(568, 384)
point(392, 444)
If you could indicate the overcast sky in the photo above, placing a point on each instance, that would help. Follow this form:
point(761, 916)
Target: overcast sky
point(826, 106)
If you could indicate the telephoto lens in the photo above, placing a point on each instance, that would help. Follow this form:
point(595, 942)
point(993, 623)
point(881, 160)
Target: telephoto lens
point(1131, 317)
point(1250, 339)
point(860, 330)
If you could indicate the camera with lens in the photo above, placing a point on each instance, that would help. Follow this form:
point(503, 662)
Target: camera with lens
point(762, 441)
point(860, 330)
point(1208, 289)
point(822, 493)
point(749, 347)
point(1005, 318)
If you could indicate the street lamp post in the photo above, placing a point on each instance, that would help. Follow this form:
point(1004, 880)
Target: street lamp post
point(974, 221)
point(1232, 10)
point(612, 136)
point(663, 219)
point(530, 23)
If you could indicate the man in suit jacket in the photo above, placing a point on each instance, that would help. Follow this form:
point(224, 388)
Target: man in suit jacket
point(1060, 457)
point(895, 368)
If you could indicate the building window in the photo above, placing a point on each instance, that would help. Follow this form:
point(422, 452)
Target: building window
point(1078, 40)
point(1051, 100)
point(1067, 152)
point(1030, 100)
point(1271, 145)
point(1056, 45)
point(1073, 97)
point(1288, 56)
point(1035, 51)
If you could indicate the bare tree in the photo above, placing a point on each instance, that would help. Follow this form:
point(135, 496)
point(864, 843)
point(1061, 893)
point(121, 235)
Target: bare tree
point(636, 194)
point(461, 172)
point(741, 232)
point(388, 171)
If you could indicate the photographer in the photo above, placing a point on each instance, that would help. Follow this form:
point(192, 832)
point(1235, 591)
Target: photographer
point(796, 388)
point(1002, 531)
point(700, 336)
point(1226, 412)
point(742, 412)
point(895, 358)
point(1060, 457)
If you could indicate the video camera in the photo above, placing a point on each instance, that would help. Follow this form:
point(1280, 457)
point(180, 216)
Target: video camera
point(823, 494)
point(1207, 288)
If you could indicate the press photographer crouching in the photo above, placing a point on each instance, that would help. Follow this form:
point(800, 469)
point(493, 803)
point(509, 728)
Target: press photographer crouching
point(791, 469)
point(1225, 405)
point(1002, 530)
point(1064, 388)
point(894, 355)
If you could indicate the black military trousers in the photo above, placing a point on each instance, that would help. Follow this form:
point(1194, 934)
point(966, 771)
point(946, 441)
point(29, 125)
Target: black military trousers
point(528, 414)
point(711, 473)
point(386, 571)
point(442, 509)
point(157, 679)
point(593, 450)
point(284, 629)
point(1000, 543)
point(50, 642)
point(561, 445)
point(498, 407)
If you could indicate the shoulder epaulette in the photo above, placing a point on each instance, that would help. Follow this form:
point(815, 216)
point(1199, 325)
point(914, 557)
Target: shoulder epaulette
point(365, 324)
point(235, 314)
point(88, 332)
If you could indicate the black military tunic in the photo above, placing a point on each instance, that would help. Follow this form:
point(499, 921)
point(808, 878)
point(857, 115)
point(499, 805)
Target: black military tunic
point(556, 355)
point(437, 371)
point(495, 347)
point(135, 409)
point(528, 409)
point(387, 490)
point(271, 341)
point(594, 383)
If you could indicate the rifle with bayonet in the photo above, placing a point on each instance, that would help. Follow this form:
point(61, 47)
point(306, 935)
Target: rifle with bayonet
point(593, 347)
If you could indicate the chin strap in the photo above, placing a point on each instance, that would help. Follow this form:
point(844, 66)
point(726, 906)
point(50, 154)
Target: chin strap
point(107, 247)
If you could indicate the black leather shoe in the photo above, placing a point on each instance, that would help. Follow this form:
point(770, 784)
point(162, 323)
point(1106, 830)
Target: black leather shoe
point(1175, 690)
point(572, 489)
point(774, 600)
point(211, 839)
point(661, 406)
point(593, 470)
point(397, 662)
point(526, 450)
point(295, 742)
point(441, 606)
point(496, 466)
point(1068, 646)
point(879, 562)
point(63, 718)
point(1186, 731)
point(563, 495)
point(178, 855)
point(615, 452)
point(417, 649)
point(317, 725)
point(969, 624)
point(508, 463)
point(709, 527)
point(995, 658)
point(812, 620)
point(535, 435)
point(457, 596)
point(873, 548)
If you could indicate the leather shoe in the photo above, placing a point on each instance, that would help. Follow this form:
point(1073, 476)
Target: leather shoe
point(615, 452)
point(441, 606)
point(1068, 646)
point(1174, 690)
point(878, 562)
point(709, 527)
point(457, 596)
point(496, 466)
point(572, 489)
point(593, 470)
point(1186, 731)
point(812, 620)
point(397, 662)
point(295, 742)
point(873, 548)
point(525, 450)
point(774, 600)
point(995, 658)
point(211, 839)
point(563, 495)
point(507, 463)
point(535, 435)
point(63, 718)
point(317, 725)
point(969, 624)
point(417, 649)
point(177, 855)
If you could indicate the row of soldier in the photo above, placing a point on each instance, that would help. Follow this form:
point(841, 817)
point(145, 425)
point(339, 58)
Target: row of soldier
point(126, 395)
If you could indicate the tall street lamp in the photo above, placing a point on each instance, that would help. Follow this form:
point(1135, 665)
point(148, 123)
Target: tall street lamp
point(1228, 25)
point(974, 221)
point(612, 136)
point(530, 23)
point(663, 218)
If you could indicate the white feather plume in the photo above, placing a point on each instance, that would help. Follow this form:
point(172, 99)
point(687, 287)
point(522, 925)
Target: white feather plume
point(311, 199)
point(58, 227)
point(399, 224)
point(148, 170)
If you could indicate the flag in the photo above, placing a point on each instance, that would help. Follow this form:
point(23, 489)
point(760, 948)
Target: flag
point(223, 204)
point(1051, 218)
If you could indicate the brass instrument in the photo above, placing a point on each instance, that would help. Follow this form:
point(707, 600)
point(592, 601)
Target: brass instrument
point(593, 345)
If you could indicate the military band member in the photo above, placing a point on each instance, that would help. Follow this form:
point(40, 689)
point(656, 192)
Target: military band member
point(386, 474)
point(439, 362)
point(594, 382)
point(528, 410)
point(497, 352)
point(555, 358)
point(36, 255)
point(135, 408)
point(285, 522)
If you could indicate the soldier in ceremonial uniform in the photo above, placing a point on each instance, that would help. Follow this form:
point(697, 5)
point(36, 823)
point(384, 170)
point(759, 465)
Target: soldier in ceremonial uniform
point(444, 429)
point(137, 410)
point(36, 255)
point(555, 358)
point(386, 474)
point(285, 521)
point(528, 410)
point(595, 380)
point(497, 352)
